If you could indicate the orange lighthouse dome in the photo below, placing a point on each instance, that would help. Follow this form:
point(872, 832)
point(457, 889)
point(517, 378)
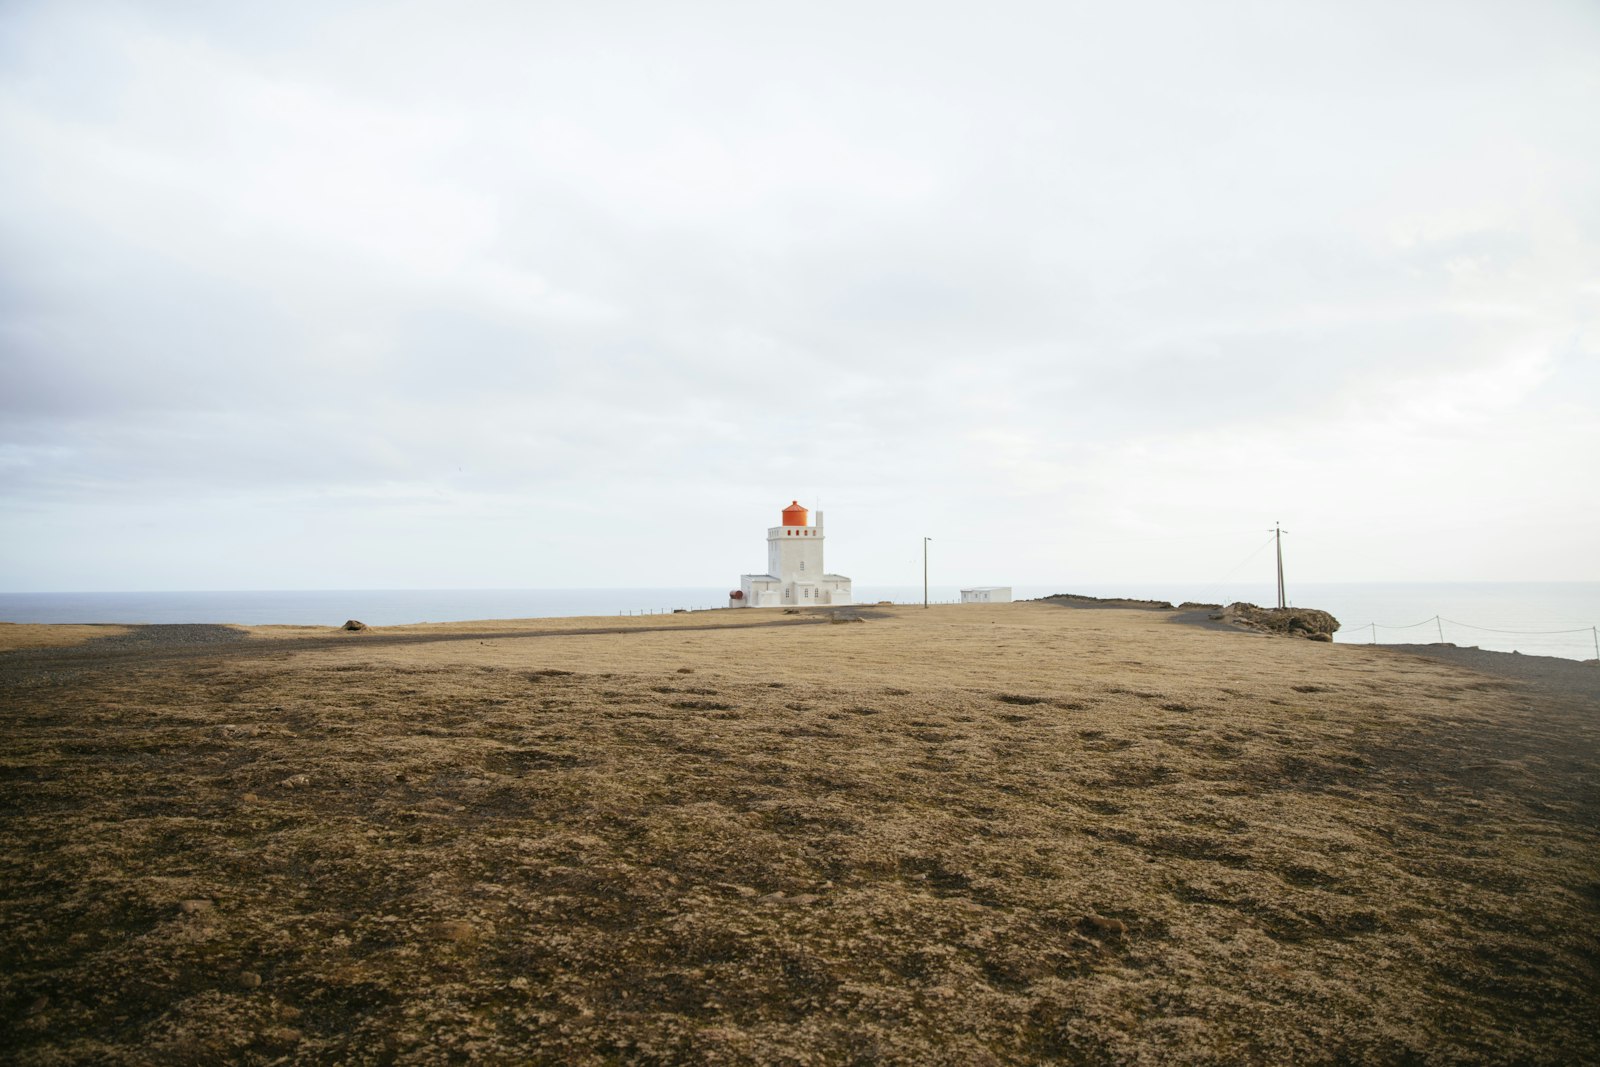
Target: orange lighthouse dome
point(794, 515)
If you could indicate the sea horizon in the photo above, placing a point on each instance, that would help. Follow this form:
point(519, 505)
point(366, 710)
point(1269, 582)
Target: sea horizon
point(1534, 618)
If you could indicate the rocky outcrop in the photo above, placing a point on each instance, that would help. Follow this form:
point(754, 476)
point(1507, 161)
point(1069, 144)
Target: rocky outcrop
point(1309, 623)
point(1080, 601)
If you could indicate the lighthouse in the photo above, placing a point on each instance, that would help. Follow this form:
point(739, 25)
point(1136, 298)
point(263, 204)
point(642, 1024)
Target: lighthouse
point(794, 577)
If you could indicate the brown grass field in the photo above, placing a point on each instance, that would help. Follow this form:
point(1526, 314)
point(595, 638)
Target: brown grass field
point(964, 835)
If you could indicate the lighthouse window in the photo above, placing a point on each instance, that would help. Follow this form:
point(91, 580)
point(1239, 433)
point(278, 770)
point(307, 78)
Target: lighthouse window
point(802, 564)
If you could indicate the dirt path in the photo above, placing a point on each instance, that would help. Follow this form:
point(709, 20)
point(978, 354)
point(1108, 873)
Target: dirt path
point(166, 643)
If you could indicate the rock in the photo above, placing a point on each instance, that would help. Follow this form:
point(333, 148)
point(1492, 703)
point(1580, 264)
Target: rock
point(779, 897)
point(295, 781)
point(1298, 622)
point(1100, 925)
point(1110, 602)
point(1319, 637)
point(249, 980)
point(354, 624)
point(195, 907)
point(685, 670)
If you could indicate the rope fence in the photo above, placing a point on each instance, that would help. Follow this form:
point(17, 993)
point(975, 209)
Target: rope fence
point(682, 611)
point(661, 611)
point(1438, 623)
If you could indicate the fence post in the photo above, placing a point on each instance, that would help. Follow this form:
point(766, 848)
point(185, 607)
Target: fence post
point(1440, 625)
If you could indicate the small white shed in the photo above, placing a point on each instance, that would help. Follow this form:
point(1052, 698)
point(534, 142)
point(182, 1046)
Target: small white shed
point(987, 594)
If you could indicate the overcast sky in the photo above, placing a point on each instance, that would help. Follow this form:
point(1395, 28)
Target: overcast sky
point(521, 295)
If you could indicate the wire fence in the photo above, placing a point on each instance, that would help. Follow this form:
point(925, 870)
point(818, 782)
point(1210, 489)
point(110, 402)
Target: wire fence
point(1438, 622)
point(661, 611)
point(684, 611)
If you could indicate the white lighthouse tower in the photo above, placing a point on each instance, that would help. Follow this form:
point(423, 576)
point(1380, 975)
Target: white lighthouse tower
point(794, 577)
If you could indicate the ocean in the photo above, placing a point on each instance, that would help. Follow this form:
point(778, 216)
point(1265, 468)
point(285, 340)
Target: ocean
point(1534, 618)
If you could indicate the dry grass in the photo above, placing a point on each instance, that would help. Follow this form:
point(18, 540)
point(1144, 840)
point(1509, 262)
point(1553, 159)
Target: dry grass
point(22, 635)
point(974, 834)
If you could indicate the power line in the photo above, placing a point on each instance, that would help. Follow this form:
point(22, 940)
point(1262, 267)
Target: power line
point(1205, 591)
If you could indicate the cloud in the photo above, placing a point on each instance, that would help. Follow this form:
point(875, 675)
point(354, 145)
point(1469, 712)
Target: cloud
point(1119, 274)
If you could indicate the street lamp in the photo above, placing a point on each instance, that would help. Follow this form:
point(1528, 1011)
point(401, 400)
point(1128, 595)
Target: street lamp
point(925, 541)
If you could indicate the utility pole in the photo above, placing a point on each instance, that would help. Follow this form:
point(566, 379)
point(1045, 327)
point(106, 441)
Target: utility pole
point(1277, 535)
point(925, 541)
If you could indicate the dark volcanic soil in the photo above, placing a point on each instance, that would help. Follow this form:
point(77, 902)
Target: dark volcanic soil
point(1552, 674)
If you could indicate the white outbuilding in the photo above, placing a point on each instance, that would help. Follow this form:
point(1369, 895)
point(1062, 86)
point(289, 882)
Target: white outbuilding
point(987, 594)
point(794, 577)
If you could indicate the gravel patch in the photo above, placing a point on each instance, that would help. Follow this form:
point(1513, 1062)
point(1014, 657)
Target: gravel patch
point(171, 635)
point(1568, 677)
point(34, 666)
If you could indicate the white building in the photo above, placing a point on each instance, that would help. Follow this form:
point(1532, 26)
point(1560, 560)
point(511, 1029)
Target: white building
point(987, 594)
point(794, 577)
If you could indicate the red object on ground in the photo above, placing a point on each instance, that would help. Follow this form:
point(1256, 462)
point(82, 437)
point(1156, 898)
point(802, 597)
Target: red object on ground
point(794, 515)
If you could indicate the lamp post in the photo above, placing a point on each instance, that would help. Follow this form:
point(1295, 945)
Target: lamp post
point(925, 541)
